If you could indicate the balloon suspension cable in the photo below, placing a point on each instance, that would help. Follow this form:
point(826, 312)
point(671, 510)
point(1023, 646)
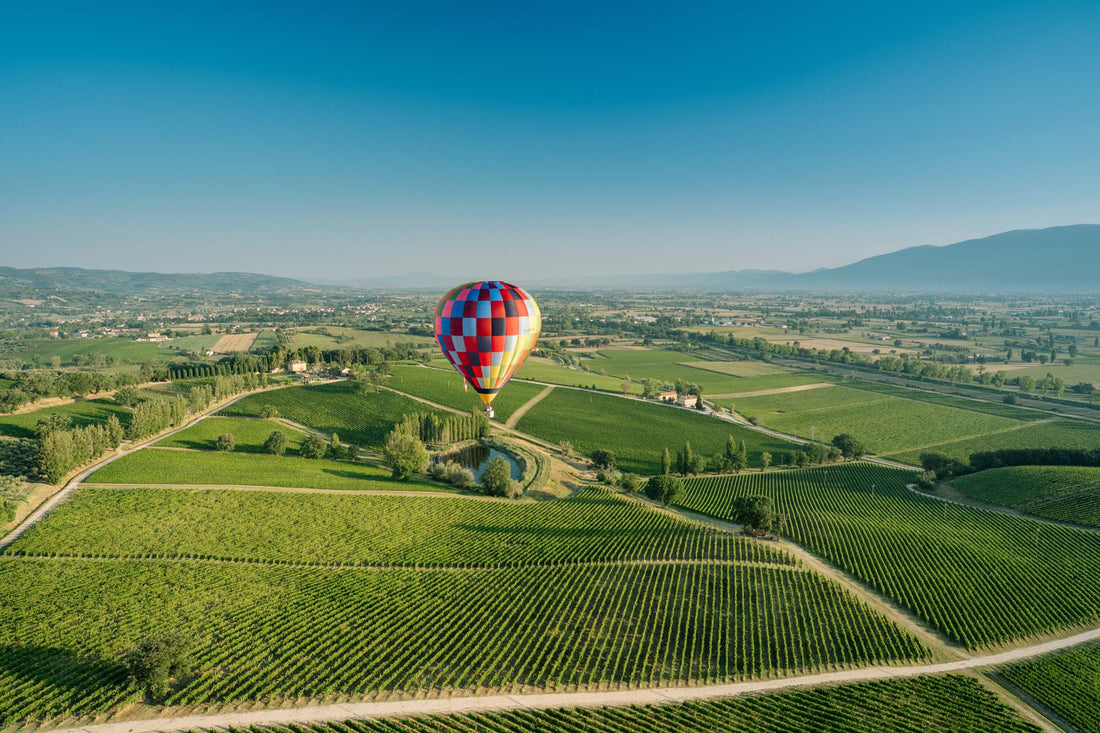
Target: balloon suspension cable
point(489, 411)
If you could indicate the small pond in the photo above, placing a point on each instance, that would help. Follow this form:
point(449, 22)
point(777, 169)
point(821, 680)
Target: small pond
point(477, 457)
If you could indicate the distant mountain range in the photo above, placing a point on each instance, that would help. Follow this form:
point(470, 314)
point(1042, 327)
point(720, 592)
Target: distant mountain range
point(1058, 259)
point(49, 280)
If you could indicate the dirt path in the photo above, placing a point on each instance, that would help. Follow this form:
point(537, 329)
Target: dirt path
point(1009, 429)
point(522, 410)
point(766, 392)
point(653, 696)
point(942, 649)
point(947, 492)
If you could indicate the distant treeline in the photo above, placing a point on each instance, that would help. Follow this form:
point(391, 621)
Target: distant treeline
point(1034, 457)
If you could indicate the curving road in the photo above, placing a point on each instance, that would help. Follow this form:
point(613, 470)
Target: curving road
point(655, 696)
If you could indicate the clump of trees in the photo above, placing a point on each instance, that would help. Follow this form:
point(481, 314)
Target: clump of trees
point(848, 446)
point(431, 428)
point(755, 512)
point(450, 472)
point(225, 442)
point(60, 450)
point(314, 446)
point(496, 479)
point(154, 661)
point(405, 452)
point(275, 443)
point(664, 488)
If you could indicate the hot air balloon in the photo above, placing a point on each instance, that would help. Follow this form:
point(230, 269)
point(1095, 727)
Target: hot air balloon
point(486, 329)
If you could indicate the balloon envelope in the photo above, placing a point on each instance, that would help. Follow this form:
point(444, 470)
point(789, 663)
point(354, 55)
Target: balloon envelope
point(486, 329)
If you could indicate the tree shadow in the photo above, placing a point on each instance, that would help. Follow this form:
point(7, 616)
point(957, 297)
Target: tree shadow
point(66, 670)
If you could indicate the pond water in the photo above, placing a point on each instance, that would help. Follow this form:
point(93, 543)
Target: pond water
point(477, 457)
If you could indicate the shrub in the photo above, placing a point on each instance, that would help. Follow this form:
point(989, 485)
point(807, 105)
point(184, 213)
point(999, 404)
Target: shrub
point(225, 442)
point(275, 443)
point(603, 459)
point(268, 412)
point(754, 511)
point(314, 446)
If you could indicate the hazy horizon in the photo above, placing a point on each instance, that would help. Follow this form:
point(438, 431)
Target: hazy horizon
point(538, 141)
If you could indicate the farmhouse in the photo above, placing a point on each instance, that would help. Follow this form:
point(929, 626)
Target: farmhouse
point(688, 400)
point(296, 366)
point(669, 396)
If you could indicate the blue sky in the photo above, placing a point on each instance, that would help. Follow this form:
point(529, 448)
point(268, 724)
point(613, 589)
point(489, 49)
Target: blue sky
point(351, 140)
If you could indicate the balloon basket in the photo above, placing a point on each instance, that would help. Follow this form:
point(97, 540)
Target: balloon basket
point(489, 412)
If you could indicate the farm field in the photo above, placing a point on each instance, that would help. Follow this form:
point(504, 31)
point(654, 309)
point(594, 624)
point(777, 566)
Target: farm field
point(546, 370)
point(335, 408)
point(250, 434)
point(747, 368)
point(884, 424)
point(938, 398)
point(258, 630)
point(663, 365)
point(1064, 493)
point(343, 337)
point(595, 526)
point(160, 466)
point(1072, 434)
point(1068, 683)
point(445, 388)
point(862, 518)
point(232, 342)
point(636, 431)
point(956, 703)
point(84, 412)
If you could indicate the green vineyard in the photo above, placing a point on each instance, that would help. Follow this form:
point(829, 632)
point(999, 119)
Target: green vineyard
point(249, 433)
point(594, 526)
point(1068, 683)
point(636, 431)
point(1063, 493)
point(161, 466)
point(944, 562)
point(334, 408)
point(446, 387)
point(955, 703)
point(284, 634)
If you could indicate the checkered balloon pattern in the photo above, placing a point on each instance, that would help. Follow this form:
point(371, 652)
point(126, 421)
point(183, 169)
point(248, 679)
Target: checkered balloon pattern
point(486, 329)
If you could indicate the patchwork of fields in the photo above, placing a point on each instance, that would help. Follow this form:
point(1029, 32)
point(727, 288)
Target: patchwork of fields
point(337, 582)
point(1063, 493)
point(636, 431)
point(885, 424)
point(335, 408)
point(863, 518)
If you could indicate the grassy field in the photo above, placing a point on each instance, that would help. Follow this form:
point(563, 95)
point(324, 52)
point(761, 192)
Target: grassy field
point(290, 633)
point(85, 412)
point(546, 370)
point(1068, 683)
point(335, 408)
point(994, 578)
point(159, 466)
point(250, 434)
point(596, 526)
point(956, 703)
point(672, 365)
point(635, 431)
point(1056, 434)
point(747, 368)
point(445, 388)
point(340, 337)
point(937, 398)
point(884, 424)
point(1064, 493)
